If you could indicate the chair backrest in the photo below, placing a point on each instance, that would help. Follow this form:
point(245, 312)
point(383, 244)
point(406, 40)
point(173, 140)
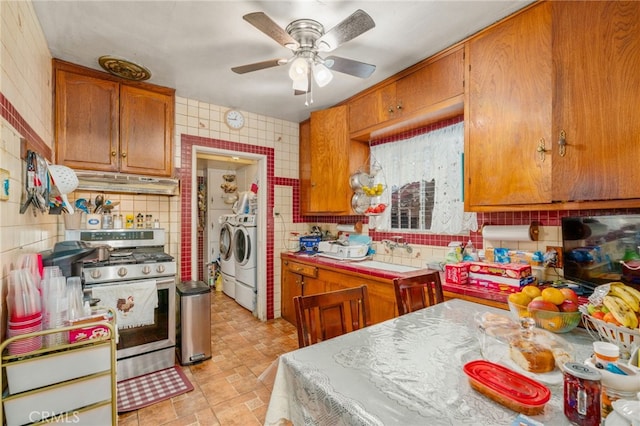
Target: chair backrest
point(417, 292)
point(325, 315)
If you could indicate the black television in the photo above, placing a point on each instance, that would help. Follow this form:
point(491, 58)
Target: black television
point(601, 249)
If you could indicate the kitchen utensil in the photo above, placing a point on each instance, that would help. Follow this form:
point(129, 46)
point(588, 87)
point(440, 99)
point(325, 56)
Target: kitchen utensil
point(81, 204)
point(66, 181)
point(98, 203)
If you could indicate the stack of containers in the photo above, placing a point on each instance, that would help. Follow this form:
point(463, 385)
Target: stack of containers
point(55, 303)
point(25, 313)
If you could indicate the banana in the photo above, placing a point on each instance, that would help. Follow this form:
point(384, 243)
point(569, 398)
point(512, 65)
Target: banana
point(627, 297)
point(632, 291)
point(621, 311)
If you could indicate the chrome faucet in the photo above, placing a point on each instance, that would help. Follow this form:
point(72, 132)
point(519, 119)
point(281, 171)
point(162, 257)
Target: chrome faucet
point(397, 243)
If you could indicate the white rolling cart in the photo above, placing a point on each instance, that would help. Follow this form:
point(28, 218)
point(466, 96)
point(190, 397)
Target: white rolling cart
point(68, 383)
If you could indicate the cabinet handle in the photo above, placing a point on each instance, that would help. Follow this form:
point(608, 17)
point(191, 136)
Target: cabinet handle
point(399, 107)
point(113, 153)
point(391, 110)
point(124, 155)
point(541, 149)
point(286, 262)
point(562, 143)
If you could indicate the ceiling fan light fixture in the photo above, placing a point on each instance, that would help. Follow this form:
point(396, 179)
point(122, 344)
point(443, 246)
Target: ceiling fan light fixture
point(300, 84)
point(322, 75)
point(299, 68)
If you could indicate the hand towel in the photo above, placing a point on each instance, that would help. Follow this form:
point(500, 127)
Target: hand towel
point(134, 303)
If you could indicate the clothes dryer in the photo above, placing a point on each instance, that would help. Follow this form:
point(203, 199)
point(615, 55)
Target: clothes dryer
point(245, 251)
point(228, 224)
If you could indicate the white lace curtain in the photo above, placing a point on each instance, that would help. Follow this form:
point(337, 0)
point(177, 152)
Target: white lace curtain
point(435, 155)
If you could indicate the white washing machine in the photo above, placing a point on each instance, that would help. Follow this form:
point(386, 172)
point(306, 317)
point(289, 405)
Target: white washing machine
point(245, 252)
point(228, 224)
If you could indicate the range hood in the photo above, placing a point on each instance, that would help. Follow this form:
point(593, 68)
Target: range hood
point(123, 183)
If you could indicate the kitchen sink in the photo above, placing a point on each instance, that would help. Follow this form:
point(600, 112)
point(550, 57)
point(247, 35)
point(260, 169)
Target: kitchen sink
point(386, 266)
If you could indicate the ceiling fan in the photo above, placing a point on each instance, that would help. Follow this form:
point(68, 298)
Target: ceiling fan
point(306, 38)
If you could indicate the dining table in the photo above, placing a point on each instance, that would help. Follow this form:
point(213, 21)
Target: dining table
point(404, 371)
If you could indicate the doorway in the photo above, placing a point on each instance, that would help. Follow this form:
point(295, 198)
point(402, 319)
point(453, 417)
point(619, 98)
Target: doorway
point(251, 168)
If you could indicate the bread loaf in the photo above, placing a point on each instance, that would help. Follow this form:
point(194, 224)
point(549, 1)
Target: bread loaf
point(531, 356)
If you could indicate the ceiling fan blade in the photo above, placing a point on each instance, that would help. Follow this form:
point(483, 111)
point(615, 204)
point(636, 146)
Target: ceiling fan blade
point(265, 24)
point(258, 66)
point(356, 24)
point(349, 66)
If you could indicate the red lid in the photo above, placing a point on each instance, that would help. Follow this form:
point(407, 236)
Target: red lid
point(508, 383)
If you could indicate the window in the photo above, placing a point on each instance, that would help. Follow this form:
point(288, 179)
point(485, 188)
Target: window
point(423, 175)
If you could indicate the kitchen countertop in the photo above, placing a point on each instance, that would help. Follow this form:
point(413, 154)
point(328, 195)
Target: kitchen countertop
point(495, 297)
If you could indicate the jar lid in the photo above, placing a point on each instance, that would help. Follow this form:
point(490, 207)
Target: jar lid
point(507, 384)
point(582, 371)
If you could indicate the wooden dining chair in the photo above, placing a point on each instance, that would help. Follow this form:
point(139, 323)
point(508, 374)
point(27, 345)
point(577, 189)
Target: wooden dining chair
point(417, 292)
point(325, 315)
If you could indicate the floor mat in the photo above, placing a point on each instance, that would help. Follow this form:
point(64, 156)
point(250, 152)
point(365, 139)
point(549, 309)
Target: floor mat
point(143, 391)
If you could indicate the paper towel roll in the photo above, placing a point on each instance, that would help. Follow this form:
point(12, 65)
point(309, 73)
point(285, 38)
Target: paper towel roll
point(510, 232)
point(355, 228)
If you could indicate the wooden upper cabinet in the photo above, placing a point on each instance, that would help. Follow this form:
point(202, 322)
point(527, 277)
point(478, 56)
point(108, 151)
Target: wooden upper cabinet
point(103, 123)
point(87, 116)
point(508, 112)
point(597, 71)
point(410, 96)
point(327, 154)
point(559, 71)
point(145, 132)
point(435, 82)
point(327, 159)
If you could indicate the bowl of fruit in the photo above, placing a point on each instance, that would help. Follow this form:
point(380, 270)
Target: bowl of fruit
point(553, 309)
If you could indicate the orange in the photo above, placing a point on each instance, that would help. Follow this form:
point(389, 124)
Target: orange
point(531, 291)
point(553, 295)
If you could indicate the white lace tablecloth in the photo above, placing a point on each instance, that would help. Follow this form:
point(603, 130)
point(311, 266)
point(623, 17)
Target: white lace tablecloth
point(405, 371)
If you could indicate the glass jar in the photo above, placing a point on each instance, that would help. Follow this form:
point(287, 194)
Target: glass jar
point(139, 221)
point(107, 221)
point(582, 391)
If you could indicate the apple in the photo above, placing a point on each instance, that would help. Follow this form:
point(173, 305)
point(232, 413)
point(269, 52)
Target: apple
point(568, 306)
point(598, 315)
point(542, 305)
point(569, 294)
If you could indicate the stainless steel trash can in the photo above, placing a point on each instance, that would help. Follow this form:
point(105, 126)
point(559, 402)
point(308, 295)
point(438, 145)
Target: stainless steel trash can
point(193, 321)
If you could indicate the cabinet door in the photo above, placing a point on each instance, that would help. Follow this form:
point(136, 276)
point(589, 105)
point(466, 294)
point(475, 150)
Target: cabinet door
point(326, 154)
point(86, 117)
point(290, 288)
point(436, 82)
point(508, 110)
point(597, 69)
point(146, 132)
point(373, 108)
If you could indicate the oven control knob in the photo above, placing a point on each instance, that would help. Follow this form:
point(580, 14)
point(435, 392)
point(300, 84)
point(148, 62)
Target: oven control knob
point(160, 269)
point(146, 270)
point(95, 274)
point(122, 272)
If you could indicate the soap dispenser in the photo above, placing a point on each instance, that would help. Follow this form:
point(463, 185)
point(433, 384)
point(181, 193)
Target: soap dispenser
point(470, 254)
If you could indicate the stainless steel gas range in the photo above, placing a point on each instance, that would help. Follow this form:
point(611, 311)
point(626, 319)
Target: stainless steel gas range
point(136, 262)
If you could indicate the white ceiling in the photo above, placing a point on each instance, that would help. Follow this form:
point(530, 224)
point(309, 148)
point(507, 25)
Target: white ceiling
point(192, 45)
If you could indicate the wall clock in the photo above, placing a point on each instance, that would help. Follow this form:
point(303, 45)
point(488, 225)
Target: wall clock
point(234, 119)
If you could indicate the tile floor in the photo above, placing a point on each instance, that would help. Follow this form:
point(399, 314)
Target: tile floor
point(226, 387)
